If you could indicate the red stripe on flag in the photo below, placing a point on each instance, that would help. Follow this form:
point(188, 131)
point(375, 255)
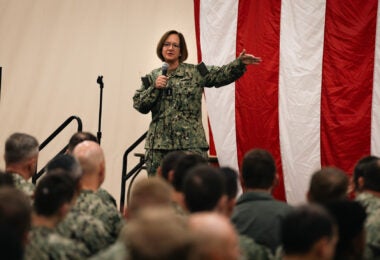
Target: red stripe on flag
point(197, 29)
point(347, 80)
point(257, 122)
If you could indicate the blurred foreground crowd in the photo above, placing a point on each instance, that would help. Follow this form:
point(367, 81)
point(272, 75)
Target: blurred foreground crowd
point(188, 210)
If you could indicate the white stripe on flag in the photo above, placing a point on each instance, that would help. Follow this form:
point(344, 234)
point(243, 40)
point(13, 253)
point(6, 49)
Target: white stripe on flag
point(301, 53)
point(218, 22)
point(375, 122)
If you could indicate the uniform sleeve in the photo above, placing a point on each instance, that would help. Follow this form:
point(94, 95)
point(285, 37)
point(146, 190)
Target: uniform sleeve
point(145, 97)
point(224, 75)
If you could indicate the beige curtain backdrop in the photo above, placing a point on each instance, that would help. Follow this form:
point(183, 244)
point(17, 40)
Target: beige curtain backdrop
point(52, 52)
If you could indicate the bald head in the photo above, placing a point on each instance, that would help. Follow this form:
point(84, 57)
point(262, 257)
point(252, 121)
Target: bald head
point(215, 236)
point(91, 158)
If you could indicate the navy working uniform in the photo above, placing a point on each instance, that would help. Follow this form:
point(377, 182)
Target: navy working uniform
point(176, 110)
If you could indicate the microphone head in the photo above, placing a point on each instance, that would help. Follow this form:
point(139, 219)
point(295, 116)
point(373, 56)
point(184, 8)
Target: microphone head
point(165, 67)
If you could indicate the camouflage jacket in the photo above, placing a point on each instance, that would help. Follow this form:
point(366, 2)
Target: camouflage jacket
point(23, 185)
point(90, 202)
point(176, 111)
point(369, 201)
point(117, 251)
point(45, 243)
point(252, 251)
point(86, 229)
point(372, 225)
point(106, 196)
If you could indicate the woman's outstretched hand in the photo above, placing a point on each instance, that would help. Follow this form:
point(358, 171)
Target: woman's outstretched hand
point(248, 59)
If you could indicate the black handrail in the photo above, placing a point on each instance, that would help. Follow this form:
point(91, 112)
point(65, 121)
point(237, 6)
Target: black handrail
point(124, 175)
point(52, 136)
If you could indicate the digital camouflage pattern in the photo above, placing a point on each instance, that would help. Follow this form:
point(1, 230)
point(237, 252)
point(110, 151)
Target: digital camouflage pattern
point(176, 111)
point(106, 196)
point(45, 243)
point(252, 251)
point(117, 251)
point(176, 114)
point(369, 202)
point(23, 185)
point(89, 202)
point(372, 224)
point(373, 235)
point(86, 229)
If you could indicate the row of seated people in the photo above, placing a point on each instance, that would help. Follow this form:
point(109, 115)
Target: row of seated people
point(191, 211)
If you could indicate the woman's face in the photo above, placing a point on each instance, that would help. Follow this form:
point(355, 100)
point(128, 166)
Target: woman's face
point(171, 49)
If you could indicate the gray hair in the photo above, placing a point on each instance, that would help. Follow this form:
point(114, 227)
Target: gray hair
point(20, 147)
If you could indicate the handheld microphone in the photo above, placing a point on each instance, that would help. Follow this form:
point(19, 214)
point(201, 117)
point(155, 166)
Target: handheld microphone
point(165, 67)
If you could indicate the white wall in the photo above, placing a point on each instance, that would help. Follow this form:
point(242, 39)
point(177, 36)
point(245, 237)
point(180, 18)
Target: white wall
point(52, 51)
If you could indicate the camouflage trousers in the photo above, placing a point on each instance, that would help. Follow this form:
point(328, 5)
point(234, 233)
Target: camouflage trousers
point(154, 157)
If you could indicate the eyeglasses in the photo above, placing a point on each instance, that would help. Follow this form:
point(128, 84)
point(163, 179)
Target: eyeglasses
point(174, 45)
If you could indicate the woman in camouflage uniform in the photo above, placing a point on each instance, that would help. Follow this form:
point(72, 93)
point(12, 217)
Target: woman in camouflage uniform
point(173, 94)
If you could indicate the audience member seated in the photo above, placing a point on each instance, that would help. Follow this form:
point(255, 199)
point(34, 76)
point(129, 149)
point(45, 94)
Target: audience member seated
point(369, 197)
point(157, 233)
point(357, 176)
point(68, 163)
point(81, 225)
point(249, 248)
point(21, 156)
point(53, 199)
point(328, 184)
point(231, 188)
point(309, 232)
point(257, 214)
point(204, 190)
point(77, 138)
point(185, 163)
point(350, 217)
point(215, 237)
point(150, 192)
point(15, 222)
point(91, 158)
point(168, 164)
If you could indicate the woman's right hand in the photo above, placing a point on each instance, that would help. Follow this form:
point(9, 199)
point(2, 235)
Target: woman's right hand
point(161, 82)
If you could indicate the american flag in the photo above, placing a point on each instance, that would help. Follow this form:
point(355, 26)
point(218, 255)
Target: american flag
point(314, 99)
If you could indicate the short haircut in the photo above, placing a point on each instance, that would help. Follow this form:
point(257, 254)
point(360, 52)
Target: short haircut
point(303, 227)
point(158, 233)
point(183, 166)
point(79, 137)
point(371, 176)
point(182, 45)
point(360, 168)
point(152, 191)
point(231, 177)
point(68, 163)
point(328, 184)
point(258, 169)
point(52, 191)
point(15, 210)
point(350, 217)
point(20, 147)
point(170, 161)
point(203, 187)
